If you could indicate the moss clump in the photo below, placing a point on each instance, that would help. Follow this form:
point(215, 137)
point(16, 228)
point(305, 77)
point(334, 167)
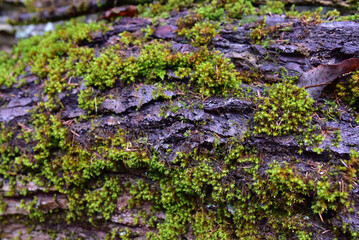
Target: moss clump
point(130, 39)
point(286, 110)
point(103, 201)
point(208, 71)
point(213, 73)
point(162, 9)
point(188, 21)
point(31, 208)
point(9, 69)
point(265, 35)
point(201, 33)
point(210, 10)
point(199, 193)
point(53, 160)
point(259, 33)
point(151, 63)
point(349, 91)
point(3, 205)
point(217, 10)
point(292, 188)
point(227, 192)
point(275, 7)
point(103, 70)
point(54, 55)
point(88, 100)
point(7, 152)
point(237, 9)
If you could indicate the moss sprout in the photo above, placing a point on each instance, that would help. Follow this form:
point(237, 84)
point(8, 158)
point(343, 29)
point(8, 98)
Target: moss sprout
point(201, 33)
point(224, 192)
point(103, 201)
point(286, 109)
point(210, 10)
point(162, 9)
point(349, 91)
point(89, 101)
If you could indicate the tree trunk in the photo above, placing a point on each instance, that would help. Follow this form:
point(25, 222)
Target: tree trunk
point(157, 125)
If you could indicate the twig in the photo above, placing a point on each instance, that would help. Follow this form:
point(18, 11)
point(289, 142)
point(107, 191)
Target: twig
point(317, 85)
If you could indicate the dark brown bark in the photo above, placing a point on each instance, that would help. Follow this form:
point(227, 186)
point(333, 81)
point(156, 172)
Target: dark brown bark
point(309, 45)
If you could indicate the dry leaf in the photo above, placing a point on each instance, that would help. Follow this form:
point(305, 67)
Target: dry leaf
point(316, 79)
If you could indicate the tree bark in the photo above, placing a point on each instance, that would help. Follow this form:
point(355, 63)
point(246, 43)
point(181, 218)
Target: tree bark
point(209, 121)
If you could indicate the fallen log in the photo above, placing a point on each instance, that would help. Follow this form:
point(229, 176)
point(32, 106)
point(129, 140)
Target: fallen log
point(143, 129)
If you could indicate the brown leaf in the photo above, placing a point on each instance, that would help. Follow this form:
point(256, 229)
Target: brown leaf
point(128, 11)
point(316, 79)
point(165, 32)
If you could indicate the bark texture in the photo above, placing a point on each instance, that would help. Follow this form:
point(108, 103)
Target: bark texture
point(209, 121)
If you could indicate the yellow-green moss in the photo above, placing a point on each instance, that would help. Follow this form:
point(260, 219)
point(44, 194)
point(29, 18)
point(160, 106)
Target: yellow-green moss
point(199, 193)
point(349, 91)
point(162, 9)
point(224, 193)
point(286, 110)
point(201, 33)
point(208, 71)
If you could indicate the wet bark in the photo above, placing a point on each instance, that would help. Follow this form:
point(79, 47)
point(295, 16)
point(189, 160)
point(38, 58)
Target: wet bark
point(137, 111)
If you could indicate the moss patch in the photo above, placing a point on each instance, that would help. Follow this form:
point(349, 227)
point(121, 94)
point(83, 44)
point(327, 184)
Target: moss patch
point(221, 192)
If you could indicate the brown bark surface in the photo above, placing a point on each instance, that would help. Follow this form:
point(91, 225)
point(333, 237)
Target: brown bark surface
point(136, 110)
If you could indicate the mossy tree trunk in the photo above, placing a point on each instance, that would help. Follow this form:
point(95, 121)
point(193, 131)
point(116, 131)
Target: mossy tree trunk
point(105, 154)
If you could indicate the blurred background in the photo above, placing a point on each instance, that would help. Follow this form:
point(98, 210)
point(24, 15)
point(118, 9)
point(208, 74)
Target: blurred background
point(25, 18)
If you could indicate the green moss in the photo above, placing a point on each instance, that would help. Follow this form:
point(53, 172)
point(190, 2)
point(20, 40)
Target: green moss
point(12, 160)
point(336, 138)
point(210, 10)
point(104, 201)
point(123, 234)
point(9, 69)
point(128, 38)
point(266, 35)
point(198, 193)
point(259, 33)
point(227, 192)
point(288, 188)
point(207, 70)
point(32, 210)
point(89, 100)
point(3, 205)
point(275, 7)
point(214, 74)
point(187, 22)
point(201, 33)
point(152, 62)
point(162, 9)
point(286, 110)
point(349, 91)
point(55, 161)
point(238, 9)
point(53, 55)
point(311, 17)
point(102, 71)
point(218, 10)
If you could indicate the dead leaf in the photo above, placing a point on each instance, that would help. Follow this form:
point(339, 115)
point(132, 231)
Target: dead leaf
point(316, 79)
point(165, 32)
point(128, 11)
